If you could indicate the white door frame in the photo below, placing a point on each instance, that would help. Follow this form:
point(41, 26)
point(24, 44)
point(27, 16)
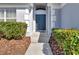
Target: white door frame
point(48, 28)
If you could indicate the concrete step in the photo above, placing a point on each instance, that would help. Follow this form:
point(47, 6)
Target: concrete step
point(39, 34)
point(39, 49)
point(35, 37)
point(44, 39)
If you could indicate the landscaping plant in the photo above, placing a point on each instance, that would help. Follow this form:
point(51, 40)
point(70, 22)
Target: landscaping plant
point(68, 40)
point(12, 30)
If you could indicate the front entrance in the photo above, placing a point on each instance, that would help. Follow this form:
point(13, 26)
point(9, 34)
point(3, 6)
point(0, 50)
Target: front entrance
point(40, 22)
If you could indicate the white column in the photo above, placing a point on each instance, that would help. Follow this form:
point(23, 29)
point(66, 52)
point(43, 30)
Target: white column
point(27, 20)
point(34, 22)
point(48, 20)
point(31, 20)
point(4, 15)
point(53, 17)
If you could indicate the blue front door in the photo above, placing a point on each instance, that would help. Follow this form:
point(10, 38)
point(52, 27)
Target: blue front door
point(40, 22)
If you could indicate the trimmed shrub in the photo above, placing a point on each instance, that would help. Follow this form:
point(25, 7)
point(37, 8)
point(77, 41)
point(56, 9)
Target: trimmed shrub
point(68, 39)
point(12, 30)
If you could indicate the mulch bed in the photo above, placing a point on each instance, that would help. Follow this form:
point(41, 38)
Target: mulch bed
point(14, 47)
point(54, 47)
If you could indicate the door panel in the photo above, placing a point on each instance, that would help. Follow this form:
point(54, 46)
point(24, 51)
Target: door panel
point(40, 22)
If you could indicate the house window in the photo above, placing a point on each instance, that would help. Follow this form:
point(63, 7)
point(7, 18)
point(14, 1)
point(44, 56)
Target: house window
point(11, 15)
point(1, 15)
point(8, 15)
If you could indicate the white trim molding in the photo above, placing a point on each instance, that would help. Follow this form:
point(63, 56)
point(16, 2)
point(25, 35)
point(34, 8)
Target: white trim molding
point(4, 15)
point(40, 12)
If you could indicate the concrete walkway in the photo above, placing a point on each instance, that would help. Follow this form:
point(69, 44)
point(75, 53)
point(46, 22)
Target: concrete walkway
point(39, 49)
point(39, 45)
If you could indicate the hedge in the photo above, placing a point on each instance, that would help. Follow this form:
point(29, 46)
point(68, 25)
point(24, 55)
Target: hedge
point(12, 30)
point(68, 39)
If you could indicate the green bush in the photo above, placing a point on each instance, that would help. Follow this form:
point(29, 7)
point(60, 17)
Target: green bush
point(68, 39)
point(12, 30)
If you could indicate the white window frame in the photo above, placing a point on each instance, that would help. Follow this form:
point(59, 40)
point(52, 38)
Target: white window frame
point(2, 16)
point(9, 13)
point(5, 15)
